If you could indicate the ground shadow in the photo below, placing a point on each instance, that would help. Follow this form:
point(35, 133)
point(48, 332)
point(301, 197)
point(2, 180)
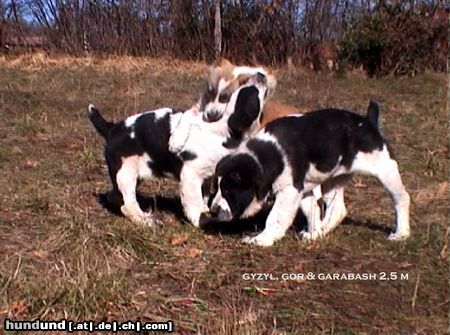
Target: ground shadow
point(368, 224)
point(157, 203)
point(257, 224)
point(253, 224)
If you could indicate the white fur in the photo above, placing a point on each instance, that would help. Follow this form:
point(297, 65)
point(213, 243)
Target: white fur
point(334, 214)
point(219, 201)
point(132, 168)
point(159, 113)
point(181, 129)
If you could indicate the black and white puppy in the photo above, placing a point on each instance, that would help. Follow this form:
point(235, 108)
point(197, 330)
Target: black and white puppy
point(293, 155)
point(137, 148)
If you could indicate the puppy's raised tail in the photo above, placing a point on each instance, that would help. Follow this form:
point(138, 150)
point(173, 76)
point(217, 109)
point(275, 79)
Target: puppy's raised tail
point(373, 112)
point(98, 121)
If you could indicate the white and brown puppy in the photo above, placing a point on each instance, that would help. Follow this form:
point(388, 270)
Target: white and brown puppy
point(293, 155)
point(221, 82)
point(138, 148)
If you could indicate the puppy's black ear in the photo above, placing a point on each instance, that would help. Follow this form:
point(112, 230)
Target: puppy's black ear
point(262, 190)
point(263, 185)
point(373, 112)
point(222, 166)
point(233, 141)
point(246, 111)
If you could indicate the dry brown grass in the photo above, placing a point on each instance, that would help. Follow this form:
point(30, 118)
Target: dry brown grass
point(65, 257)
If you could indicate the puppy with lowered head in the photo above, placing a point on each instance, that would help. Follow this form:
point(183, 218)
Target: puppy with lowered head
point(295, 154)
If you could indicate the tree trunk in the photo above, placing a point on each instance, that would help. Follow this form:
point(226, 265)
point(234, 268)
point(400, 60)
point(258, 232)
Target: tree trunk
point(217, 30)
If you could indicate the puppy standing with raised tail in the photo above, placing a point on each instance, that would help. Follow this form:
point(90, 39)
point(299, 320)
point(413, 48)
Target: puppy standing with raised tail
point(292, 156)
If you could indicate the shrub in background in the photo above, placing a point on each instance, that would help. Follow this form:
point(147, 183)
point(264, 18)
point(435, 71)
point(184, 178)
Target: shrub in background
point(396, 39)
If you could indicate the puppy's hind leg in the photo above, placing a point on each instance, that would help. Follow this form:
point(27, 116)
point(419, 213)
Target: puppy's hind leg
point(382, 166)
point(126, 179)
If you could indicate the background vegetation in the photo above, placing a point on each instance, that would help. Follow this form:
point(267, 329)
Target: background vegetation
point(382, 36)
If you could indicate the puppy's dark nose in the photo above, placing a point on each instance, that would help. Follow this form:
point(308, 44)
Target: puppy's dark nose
point(221, 215)
point(261, 78)
point(214, 210)
point(211, 116)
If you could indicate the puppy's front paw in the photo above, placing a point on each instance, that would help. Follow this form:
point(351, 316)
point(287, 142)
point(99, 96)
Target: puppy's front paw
point(307, 236)
point(262, 241)
point(398, 236)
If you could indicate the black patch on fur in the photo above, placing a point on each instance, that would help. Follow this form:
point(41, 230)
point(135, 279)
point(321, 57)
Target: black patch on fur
point(271, 162)
point(225, 96)
point(152, 136)
point(102, 126)
point(246, 111)
point(232, 142)
point(320, 137)
point(177, 110)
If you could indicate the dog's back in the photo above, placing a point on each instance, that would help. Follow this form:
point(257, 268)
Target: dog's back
point(325, 138)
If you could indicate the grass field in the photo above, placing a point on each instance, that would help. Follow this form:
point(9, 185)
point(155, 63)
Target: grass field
point(64, 256)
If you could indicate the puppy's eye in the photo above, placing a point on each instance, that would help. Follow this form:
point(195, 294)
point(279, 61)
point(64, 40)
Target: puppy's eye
point(224, 97)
